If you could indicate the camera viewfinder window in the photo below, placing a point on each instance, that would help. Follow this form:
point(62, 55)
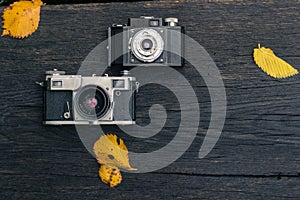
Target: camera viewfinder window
point(153, 23)
point(118, 84)
point(56, 83)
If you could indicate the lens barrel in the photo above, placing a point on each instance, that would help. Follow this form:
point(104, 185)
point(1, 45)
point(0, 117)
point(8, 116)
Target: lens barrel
point(92, 102)
point(147, 45)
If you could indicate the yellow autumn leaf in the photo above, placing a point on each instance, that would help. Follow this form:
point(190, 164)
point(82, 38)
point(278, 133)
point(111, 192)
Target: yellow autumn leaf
point(110, 175)
point(21, 18)
point(271, 64)
point(111, 150)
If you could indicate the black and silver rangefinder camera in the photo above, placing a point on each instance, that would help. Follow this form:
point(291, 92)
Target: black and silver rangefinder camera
point(146, 41)
point(76, 99)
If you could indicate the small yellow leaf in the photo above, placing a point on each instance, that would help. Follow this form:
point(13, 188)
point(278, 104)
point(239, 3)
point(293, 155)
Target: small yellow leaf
point(271, 64)
point(110, 175)
point(21, 18)
point(111, 150)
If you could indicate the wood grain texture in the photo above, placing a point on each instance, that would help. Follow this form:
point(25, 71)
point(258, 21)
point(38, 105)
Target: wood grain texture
point(257, 156)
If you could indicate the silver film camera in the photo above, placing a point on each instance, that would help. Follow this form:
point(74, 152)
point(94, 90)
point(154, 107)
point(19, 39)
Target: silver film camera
point(146, 41)
point(76, 99)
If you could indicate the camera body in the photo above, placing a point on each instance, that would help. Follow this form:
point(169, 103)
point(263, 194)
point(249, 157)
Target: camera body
point(76, 99)
point(146, 41)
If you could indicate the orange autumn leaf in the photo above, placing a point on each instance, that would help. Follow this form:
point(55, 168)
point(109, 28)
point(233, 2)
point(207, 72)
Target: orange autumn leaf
point(110, 175)
point(112, 154)
point(21, 18)
point(271, 64)
point(112, 151)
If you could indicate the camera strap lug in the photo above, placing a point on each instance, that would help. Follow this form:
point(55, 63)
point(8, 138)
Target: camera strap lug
point(67, 114)
point(40, 83)
point(137, 85)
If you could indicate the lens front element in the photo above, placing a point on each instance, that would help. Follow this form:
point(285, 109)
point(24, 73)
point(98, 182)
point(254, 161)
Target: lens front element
point(92, 102)
point(147, 44)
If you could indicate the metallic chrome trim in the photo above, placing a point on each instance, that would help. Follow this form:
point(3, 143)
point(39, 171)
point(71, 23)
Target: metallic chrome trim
point(88, 122)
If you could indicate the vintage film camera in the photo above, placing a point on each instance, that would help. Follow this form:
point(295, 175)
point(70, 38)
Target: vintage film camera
point(146, 41)
point(76, 99)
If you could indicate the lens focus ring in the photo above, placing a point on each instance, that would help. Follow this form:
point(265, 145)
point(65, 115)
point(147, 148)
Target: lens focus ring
point(92, 102)
point(147, 45)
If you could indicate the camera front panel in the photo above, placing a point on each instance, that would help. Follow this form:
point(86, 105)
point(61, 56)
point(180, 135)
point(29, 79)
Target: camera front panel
point(115, 46)
point(174, 49)
point(124, 103)
point(56, 104)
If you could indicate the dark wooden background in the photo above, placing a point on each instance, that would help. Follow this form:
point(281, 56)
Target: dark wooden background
point(257, 156)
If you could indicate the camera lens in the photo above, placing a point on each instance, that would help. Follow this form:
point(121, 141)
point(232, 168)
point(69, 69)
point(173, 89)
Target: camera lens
point(147, 45)
point(92, 102)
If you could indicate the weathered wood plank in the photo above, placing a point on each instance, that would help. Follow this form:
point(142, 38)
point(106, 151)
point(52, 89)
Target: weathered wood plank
point(257, 155)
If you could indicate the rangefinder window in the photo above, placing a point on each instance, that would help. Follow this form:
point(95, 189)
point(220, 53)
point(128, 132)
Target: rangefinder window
point(118, 83)
point(56, 83)
point(154, 23)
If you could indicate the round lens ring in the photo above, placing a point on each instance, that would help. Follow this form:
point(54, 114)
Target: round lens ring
point(147, 45)
point(92, 102)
